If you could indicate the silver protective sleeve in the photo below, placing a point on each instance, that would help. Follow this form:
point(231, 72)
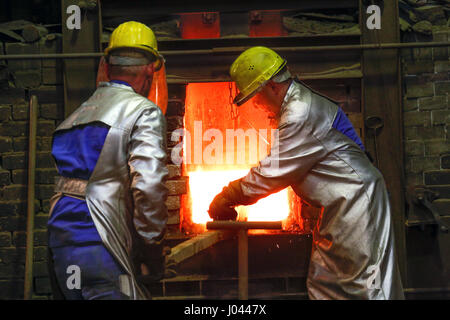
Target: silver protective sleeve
point(147, 163)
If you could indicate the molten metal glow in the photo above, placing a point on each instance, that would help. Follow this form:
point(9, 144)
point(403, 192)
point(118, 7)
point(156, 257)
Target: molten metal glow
point(210, 104)
point(205, 185)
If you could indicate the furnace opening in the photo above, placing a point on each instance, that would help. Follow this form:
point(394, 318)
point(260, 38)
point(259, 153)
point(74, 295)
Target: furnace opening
point(221, 142)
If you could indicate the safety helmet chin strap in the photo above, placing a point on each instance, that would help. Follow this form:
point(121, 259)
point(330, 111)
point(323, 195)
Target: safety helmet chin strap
point(282, 77)
point(127, 61)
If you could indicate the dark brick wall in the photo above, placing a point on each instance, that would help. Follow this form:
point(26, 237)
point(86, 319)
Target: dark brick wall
point(426, 117)
point(20, 79)
point(426, 125)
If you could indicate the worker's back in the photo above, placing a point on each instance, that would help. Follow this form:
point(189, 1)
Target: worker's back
point(94, 147)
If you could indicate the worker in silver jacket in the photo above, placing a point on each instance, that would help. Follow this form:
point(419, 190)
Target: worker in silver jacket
point(319, 155)
point(108, 217)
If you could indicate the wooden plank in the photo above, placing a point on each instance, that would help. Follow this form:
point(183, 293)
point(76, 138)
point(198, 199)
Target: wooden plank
point(193, 246)
point(382, 98)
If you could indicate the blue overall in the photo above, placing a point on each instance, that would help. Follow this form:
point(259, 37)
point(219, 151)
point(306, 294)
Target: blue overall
point(73, 237)
point(343, 125)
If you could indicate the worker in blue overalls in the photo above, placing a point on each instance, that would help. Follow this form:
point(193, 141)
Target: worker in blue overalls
point(108, 216)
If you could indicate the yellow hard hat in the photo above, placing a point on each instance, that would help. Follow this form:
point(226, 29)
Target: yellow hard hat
point(136, 35)
point(252, 69)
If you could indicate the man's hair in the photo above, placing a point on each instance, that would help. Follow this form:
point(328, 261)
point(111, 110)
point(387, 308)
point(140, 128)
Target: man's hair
point(128, 70)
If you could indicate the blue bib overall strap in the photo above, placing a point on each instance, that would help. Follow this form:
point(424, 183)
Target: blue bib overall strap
point(343, 125)
point(120, 82)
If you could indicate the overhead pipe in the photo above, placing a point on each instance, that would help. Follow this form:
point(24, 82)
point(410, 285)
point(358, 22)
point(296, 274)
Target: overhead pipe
point(233, 50)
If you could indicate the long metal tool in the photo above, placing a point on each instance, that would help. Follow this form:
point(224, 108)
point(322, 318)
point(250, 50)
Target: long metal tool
point(242, 230)
point(28, 285)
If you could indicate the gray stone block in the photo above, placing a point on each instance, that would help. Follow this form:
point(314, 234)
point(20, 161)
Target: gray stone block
point(437, 147)
point(433, 103)
point(420, 164)
point(414, 148)
point(27, 78)
point(437, 177)
point(410, 105)
point(440, 117)
point(417, 118)
point(24, 64)
point(5, 112)
point(419, 90)
point(442, 87)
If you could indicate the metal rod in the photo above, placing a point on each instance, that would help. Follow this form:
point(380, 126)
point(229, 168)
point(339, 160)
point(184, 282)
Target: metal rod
point(243, 264)
point(237, 225)
point(242, 229)
point(28, 284)
point(233, 50)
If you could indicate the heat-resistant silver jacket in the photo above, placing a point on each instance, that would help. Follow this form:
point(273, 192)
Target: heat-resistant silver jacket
point(126, 192)
point(353, 243)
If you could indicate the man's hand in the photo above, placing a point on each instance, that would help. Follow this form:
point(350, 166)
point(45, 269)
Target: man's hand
point(221, 208)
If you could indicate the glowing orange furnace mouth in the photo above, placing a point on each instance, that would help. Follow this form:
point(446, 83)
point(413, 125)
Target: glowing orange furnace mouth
point(209, 103)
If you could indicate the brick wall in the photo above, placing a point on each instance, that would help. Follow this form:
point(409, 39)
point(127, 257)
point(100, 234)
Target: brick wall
point(20, 79)
point(177, 183)
point(426, 115)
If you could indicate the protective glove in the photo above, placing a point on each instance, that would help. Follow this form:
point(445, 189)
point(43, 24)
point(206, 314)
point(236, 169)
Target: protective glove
point(150, 258)
point(222, 207)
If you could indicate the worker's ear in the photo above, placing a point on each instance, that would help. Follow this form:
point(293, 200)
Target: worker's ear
point(108, 70)
point(273, 86)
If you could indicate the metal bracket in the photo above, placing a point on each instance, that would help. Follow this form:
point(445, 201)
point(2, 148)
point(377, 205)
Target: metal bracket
point(420, 201)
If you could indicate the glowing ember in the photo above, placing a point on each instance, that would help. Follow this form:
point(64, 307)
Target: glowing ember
point(205, 185)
